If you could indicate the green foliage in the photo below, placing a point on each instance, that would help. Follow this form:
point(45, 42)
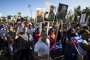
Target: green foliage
point(77, 10)
point(88, 11)
point(3, 18)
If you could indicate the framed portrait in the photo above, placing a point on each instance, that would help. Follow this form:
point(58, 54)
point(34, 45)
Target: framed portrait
point(49, 12)
point(39, 15)
point(83, 18)
point(61, 11)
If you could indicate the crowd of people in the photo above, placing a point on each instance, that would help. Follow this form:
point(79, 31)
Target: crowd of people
point(24, 41)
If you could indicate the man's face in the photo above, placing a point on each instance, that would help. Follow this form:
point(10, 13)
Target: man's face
point(37, 30)
point(29, 26)
point(40, 13)
point(77, 29)
point(51, 8)
point(37, 12)
point(72, 25)
point(44, 35)
point(64, 8)
point(52, 31)
point(11, 28)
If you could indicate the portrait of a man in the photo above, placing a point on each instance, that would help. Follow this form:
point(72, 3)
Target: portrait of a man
point(51, 15)
point(49, 12)
point(62, 10)
point(40, 15)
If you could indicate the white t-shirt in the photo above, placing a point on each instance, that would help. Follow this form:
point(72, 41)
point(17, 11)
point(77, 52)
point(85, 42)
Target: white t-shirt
point(42, 48)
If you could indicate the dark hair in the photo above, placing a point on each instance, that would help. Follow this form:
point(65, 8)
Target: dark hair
point(85, 27)
point(43, 30)
point(50, 30)
point(52, 6)
point(70, 33)
point(83, 31)
point(77, 25)
point(38, 28)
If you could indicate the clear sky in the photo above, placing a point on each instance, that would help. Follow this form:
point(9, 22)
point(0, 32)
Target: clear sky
point(11, 7)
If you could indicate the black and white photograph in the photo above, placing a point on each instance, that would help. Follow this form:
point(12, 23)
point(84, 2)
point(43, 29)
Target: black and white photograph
point(61, 11)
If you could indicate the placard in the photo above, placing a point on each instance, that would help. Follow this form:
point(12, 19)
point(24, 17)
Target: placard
point(39, 14)
point(62, 10)
point(49, 12)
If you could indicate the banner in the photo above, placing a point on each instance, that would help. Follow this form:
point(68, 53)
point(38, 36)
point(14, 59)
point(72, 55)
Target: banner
point(77, 40)
point(62, 10)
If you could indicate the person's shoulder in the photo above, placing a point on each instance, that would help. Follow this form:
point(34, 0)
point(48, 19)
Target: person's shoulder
point(38, 43)
point(19, 36)
point(28, 30)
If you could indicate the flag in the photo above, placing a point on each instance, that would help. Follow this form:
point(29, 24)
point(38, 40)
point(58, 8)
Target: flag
point(77, 40)
point(53, 47)
point(56, 46)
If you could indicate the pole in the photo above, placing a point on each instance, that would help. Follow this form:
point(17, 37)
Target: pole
point(58, 27)
point(40, 27)
point(29, 6)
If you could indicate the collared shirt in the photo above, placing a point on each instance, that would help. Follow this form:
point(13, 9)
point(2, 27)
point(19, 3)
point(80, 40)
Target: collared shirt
point(42, 48)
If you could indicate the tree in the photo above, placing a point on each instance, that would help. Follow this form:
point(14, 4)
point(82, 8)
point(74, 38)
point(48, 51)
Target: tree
point(77, 10)
point(88, 11)
point(3, 18)
point(70, 15)
point(88, 14)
